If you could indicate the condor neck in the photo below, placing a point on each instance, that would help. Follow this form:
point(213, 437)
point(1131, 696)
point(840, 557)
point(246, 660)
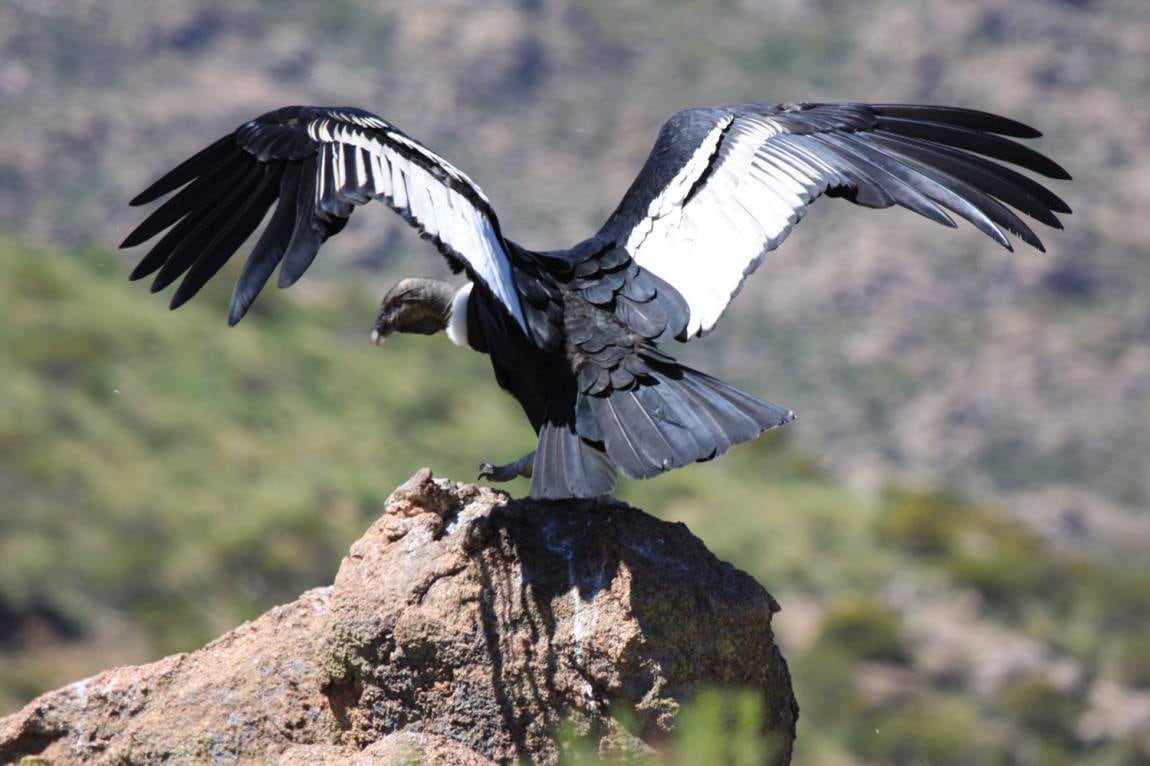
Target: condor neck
point(457, 315)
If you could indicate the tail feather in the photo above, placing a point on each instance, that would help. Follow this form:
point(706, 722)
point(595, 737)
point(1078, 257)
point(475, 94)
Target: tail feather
point(645, 437)
point(567, 465)
point(675, 416)
point(741, 416)
point(680, 417)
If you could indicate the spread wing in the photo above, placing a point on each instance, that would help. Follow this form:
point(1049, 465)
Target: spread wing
point(319, 163)
point(725, 186)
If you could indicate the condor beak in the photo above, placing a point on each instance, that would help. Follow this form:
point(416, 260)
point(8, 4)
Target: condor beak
point(384, 326)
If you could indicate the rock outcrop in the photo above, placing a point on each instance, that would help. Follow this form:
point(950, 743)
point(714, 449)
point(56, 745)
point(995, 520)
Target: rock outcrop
point(463, 628)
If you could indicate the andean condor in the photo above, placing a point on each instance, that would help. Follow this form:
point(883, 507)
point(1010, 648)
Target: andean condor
point(578, 336)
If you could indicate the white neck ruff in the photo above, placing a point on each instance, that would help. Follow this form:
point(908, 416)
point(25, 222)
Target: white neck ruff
point(457, 320)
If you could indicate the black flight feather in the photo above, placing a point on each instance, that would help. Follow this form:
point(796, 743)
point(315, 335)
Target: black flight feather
point(980, 198)
point(270, 248)
point(207, 198)
point(884, 173)
point(307, 234)
point(192, 245)
point(234, 233)
point(924, 187)
point(185, 200)
point(1008, 185)
point(963, 118)
point(987, 144)
point(198, 164)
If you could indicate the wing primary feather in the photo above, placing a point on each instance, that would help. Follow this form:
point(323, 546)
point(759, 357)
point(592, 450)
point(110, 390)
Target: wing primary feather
point(987, 144)
point(926, 186)
point(192, 246)
point(997, 177)
point(206, 199)
point(214, 181)
point(195, 165)
point(306, 235)
point(234, 233)
point(270, 248)
point(890, 179)
point(989, 180)
point(963, 118)
point(986, 204)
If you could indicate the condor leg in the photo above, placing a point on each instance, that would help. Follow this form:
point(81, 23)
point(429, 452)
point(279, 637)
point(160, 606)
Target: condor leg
point(521, 467)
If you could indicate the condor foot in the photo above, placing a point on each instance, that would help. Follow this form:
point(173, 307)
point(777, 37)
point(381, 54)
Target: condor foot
point(500, 473)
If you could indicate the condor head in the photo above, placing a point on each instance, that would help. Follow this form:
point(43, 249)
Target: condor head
point(414, 305)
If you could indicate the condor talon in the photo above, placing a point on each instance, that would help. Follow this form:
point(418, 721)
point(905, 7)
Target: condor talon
point(520, 468)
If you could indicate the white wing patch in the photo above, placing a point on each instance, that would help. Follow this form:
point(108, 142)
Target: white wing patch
point(705, 247)
point(671, 198)
point(378, 170)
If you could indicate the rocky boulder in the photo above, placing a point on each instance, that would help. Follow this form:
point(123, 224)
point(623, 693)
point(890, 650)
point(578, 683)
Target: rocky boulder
point(463, 628)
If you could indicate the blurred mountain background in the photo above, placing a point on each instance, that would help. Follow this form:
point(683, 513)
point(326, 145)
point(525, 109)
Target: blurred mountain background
point(956, 526)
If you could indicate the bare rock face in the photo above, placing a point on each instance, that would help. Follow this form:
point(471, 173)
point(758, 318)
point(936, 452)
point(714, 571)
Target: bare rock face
point(463, 628)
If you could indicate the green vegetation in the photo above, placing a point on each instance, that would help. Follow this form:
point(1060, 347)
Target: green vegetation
point(1079, 605)
point(866, 629)
point(164, 477)
point(715, 727)
point(1133, 660)
point(187, 475)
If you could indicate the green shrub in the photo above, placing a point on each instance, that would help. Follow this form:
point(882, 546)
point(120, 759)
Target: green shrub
point(936, 730)
point(920, 522)
point(1041, 709)
point(718, 726)
point(1132, 658)
point(865, 629)
point(721, 727)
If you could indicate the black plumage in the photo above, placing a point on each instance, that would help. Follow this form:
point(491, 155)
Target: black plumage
point(578, 335)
